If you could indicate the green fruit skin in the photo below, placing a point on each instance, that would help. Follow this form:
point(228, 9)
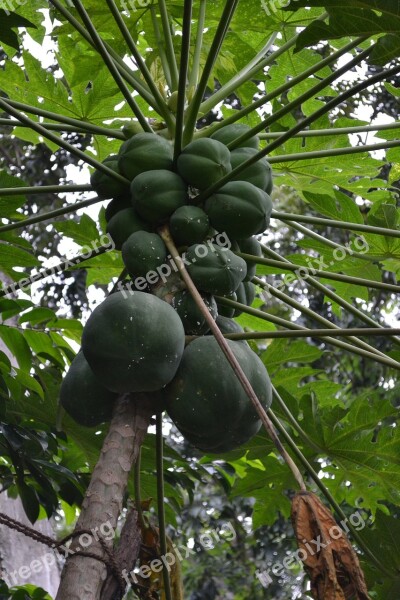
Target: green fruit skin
point(206, 401)
point(106, 186)
point(189, 225)
point(227, 325)
point(227, 311)
point(144, 152)
point(245, 293)
point(116, 205)
point(83, 397)
point(191, 316)
point(229, 133)
point(143, 252)
point(133, 342)
point(123, 224)
point(259, 174)
point(240, 209)
point(132, 129)
point(215, 270)
point(203, 162)
point(250, 246)
point(157, 194)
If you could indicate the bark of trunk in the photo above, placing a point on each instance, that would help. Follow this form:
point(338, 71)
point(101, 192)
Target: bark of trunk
point(83, 578)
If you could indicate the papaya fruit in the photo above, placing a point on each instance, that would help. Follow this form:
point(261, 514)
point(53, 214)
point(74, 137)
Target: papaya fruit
point(240, 209)
point(250, 246)
point(206, 401)
point(189, 225)
point(132, 129)
point(133, 342)
point(144, 152)
point(227, 311)
point(191, 316)
point(245, 294)
point(259, 173)
point(157, 194)
point(143, 252)
point(123, 224)
point(106, 186)
point(83, 397)
point(229, 133)
point(117, 204)
point(227, 325)
point(203, 162)
point(214, 269)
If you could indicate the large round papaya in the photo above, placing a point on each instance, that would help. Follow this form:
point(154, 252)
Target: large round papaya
point(214, 269)
point(203, 162)
point(191, 316)
point(123, 224)
point(259, 173)
point(250, 246)
point(144, 152)
point(207, 402)
point(189, 225)
point(82, 395)
point(240, 209)
point(117, 204)
point(143, 252)
point(133, 342)
point(157, 194)
point(229, 133)
point(105, 185)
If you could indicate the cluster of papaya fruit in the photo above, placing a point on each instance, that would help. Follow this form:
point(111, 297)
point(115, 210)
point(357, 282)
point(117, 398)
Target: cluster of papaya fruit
point(135, 342)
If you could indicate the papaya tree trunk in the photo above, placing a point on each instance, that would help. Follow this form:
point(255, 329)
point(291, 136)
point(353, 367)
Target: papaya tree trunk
point(83, 577)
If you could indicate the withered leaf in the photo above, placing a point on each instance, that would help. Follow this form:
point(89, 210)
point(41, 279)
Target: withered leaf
point(326, 552)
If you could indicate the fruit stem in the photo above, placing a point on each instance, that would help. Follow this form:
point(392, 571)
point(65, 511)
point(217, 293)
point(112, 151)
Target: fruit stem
point(169, 45)
point(6, 106)
point(130, 76)
point(222, 29)
point(160, 102)
point(183, 69)
point(332, 152)
point(194, 74)
point(282, 216)
point(102, 50)
point(48, 215)
point(166, 236)
point(160, 502)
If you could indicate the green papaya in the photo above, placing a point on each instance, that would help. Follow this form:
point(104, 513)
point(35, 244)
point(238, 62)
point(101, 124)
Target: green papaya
point(250, 246)
point(191, 316)
point(214, 269)
point(123, 224)
point(116, 205)
point(245, 293)
point(203, 162)
point(132, 129)
point(157, 194)
point(240, 209)
point(105, 185)
point(207, 402)
point(189, 225)
point(144, 152)
point(143, 252)
point(227, 311)
point(259, 173)
point(133, 342)
point(229, 133)
point(83, 397)
point(227, 325)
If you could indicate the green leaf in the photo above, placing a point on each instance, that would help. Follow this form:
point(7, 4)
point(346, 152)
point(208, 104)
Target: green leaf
point(339, 208)
point(16, 343)
point(10, 21)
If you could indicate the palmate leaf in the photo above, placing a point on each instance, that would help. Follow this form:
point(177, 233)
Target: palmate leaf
point(358, 18)
point(11, 21)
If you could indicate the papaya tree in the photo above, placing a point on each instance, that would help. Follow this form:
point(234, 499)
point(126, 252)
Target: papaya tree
point(237, 236)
